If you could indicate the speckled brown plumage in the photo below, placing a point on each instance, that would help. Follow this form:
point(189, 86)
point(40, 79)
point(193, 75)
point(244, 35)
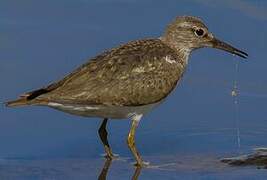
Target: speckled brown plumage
point(133, 74)
point(137, 73)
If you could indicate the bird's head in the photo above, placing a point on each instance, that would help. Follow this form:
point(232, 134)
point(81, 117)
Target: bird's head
point(188, 33)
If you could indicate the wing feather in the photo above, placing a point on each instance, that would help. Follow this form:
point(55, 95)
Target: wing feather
point(133, 74)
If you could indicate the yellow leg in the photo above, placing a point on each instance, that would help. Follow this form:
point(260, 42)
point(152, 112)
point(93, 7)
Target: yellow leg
point(131, 141)
point(103, 134)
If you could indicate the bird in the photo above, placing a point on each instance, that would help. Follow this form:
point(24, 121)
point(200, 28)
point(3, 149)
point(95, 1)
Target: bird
point(128, 81)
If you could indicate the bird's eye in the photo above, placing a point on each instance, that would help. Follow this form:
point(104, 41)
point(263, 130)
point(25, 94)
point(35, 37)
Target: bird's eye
point(199, 32)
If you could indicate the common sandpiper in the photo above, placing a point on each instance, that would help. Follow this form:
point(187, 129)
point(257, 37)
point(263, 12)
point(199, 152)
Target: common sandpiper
point(128, 81)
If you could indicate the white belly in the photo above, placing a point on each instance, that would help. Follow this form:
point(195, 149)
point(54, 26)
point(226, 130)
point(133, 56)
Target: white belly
point(116, 112)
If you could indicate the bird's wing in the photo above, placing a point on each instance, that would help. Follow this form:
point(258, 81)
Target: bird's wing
point(138, 73)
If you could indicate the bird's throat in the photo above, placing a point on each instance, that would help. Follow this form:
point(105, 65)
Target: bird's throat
point(182, 50)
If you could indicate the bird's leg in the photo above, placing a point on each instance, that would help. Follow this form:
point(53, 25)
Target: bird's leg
point(103, 134)
point(131, 141)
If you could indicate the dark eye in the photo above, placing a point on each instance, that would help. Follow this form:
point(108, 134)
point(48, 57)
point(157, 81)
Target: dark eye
point(199, 32)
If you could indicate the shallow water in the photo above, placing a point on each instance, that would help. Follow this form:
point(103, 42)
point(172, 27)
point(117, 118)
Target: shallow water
point(184, 138)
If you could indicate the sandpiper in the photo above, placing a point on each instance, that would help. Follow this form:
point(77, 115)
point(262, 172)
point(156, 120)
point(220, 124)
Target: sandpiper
point(128, 81)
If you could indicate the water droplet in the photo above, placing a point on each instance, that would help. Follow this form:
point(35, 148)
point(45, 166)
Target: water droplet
point(234, 93)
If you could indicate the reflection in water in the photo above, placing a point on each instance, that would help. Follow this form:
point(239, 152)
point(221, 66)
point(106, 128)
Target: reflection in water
point(104, 172)
point(105, 169)
point(257, 158)
point(136, 173)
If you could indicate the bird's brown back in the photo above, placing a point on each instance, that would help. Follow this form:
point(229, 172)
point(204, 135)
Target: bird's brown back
point(133, 74)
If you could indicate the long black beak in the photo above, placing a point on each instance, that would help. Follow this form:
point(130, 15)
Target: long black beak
point(216, 43)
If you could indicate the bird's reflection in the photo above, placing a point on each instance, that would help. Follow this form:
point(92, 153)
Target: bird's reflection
point(104, 171)
point(136, 173)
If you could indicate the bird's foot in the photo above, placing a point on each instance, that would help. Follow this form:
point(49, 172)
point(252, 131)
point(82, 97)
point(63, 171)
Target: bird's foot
point(142, 164)
point(111, 156)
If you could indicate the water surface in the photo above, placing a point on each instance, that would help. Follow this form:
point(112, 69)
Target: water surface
point(185, 137)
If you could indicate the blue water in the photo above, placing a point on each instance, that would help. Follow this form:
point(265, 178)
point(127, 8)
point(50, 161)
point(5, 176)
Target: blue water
point(41, 41)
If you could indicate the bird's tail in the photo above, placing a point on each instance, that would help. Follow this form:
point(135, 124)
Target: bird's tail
point(18, 102)
point(28, 99)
